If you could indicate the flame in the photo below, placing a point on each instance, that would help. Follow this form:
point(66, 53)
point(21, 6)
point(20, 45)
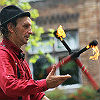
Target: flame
point(95, 52)
point(60, 32)
point(87, 46)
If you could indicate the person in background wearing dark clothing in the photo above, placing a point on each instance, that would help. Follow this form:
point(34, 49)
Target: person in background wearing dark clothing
point(16, 81)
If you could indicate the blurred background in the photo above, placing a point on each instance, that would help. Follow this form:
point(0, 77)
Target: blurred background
point(81, 21)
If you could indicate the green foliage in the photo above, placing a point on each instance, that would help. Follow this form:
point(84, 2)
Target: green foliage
point(51, 32)
point(34, 58)
point(27, 47)
point(36, 39)
point(34, 13)
point(56, 94)
point(24, 5)
point(50, 59)
point(2, 2)
point(84, 93)
point(10, 2)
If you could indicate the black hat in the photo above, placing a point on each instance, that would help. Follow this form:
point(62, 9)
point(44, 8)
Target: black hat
point(11, 12)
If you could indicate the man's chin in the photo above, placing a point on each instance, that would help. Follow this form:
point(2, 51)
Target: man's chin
point(25, 42)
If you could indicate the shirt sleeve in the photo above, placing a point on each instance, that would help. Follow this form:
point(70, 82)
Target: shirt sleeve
point(37, 96)
point(12, 86)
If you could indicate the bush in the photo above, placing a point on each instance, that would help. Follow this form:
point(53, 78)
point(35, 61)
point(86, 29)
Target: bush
point(56, 94)
point(84, 93)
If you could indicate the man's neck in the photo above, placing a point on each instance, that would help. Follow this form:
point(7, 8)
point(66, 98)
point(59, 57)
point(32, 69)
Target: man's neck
point(15, 42)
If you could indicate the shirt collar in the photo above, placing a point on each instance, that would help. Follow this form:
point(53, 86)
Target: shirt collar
point(11, 46)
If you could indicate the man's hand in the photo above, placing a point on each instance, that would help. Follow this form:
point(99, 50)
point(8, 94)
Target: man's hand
point(55, 80)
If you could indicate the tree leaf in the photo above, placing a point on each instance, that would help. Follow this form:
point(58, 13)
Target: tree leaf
point(34, 59)
point(34, 13)
point(50, 58)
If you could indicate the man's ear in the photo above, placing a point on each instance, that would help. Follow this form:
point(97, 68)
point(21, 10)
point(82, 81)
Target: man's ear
point(10, 27)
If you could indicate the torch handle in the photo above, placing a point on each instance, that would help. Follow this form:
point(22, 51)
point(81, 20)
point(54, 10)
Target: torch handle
point(82, 50)
point(66, 46)
point(76, 54)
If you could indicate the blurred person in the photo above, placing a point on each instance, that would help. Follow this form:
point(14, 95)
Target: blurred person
point(16, 81)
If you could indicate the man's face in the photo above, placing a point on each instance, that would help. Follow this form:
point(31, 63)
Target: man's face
point(22, 31)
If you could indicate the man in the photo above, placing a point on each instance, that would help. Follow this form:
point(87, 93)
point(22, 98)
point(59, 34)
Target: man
point(16, 82)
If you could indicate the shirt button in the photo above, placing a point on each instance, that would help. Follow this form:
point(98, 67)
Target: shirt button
point(8, 76)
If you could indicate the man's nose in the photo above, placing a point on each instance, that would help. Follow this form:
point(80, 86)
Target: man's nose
point(30, 31)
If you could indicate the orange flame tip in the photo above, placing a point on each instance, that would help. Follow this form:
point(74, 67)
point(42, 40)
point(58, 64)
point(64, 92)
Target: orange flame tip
point(60, 32)
point(87, 46)
point(95, 52)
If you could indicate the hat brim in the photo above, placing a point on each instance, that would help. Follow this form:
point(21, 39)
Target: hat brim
point(17, 16)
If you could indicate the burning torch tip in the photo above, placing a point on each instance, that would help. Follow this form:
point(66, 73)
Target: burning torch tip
point(93, 43)
point(56, 35)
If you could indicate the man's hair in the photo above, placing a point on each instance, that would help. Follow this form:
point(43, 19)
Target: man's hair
point(4, 29)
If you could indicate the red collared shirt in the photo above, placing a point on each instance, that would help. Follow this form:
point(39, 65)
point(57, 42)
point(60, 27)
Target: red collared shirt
point(10, 86)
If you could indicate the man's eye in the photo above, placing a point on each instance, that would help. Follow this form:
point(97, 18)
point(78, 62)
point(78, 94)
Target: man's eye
point(26, 26)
